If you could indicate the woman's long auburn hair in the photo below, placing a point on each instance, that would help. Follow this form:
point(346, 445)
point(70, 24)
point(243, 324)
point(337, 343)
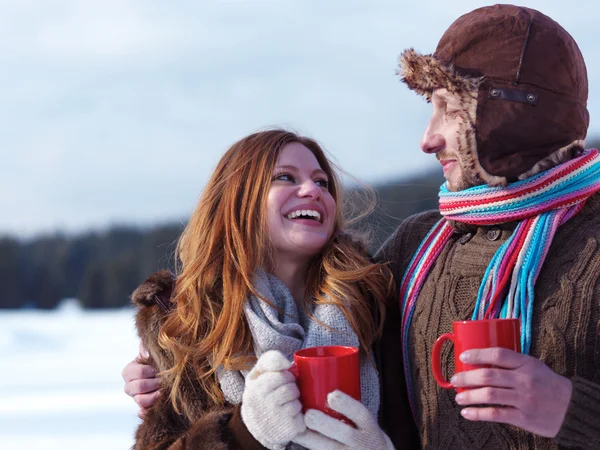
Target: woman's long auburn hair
point(226, 241)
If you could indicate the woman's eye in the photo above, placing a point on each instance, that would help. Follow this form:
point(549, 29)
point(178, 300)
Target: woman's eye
point(321, 182)
point(283, 177)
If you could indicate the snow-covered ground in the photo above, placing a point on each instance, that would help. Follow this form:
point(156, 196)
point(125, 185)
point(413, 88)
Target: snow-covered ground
point(60, 380)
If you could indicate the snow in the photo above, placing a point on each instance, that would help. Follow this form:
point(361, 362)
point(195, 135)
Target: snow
point(60, 379)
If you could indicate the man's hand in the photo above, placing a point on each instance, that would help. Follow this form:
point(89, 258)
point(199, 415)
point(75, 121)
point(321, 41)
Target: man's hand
point(141, 382)
point(534, 397)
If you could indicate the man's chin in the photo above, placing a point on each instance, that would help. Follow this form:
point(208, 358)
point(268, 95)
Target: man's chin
point(453, 185)
point(459, 184)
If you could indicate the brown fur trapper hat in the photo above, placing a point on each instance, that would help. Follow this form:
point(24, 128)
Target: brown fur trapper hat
point(522, 81)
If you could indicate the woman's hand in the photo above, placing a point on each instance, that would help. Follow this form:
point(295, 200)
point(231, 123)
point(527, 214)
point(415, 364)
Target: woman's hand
point(141, 382)
point(334, 434)
point(271, 406)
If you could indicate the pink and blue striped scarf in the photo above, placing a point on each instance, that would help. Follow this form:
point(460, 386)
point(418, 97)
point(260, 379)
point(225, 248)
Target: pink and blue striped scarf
point(540, 204)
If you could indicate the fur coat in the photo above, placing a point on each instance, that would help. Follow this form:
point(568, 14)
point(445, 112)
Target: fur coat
point(201, 424)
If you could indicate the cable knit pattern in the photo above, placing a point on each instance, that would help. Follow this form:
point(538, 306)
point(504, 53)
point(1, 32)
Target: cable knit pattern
point(565, 331)
point(541, 204)
point(580, 429)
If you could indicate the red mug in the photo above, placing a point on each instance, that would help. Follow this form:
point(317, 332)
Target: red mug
point(321, 370)
point(469, 334)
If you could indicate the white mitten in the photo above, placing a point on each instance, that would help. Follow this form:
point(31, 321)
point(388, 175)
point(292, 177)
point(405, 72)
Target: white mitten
point(366, 436)
point(271, 406)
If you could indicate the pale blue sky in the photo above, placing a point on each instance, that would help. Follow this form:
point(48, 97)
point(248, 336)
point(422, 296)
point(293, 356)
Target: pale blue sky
point(116, 111)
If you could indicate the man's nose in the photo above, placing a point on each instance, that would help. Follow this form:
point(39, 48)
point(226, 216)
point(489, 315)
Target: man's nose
point(432, 141)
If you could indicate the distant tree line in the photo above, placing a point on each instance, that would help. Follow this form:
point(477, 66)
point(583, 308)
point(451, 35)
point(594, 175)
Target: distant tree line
point(102, 269)
point(99, 269)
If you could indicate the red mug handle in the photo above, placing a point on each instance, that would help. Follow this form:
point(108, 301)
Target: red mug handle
point(436, 360)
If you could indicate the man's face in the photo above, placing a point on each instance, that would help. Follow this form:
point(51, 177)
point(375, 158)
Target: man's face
point(441, 139)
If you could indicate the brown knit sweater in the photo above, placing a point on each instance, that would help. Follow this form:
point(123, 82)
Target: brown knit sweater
point(566, 333)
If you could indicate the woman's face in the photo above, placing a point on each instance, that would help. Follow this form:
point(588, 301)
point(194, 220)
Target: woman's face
point(300, 209)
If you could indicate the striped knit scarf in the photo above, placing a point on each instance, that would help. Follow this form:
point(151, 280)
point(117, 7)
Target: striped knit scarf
point(540, 204)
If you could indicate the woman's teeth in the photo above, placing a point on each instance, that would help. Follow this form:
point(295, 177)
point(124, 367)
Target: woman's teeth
point(305, 213)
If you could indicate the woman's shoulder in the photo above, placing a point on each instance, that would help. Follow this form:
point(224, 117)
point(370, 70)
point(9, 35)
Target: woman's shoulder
point(201, 423)
point(152, 300)
point(156, 290)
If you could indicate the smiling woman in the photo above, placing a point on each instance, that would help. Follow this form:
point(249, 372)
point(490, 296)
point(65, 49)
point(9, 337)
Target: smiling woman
point(301, 212)
point(267, 268)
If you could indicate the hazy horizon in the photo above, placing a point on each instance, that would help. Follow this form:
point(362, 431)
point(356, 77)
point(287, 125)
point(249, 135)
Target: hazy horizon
point(116, 112)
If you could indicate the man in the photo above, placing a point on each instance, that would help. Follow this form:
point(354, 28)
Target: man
point(508, 88)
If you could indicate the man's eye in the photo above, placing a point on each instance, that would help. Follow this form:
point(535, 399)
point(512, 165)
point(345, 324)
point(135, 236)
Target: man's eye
point(452, 113)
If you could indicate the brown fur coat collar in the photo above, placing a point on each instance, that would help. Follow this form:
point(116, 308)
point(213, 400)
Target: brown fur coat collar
point(201, 424)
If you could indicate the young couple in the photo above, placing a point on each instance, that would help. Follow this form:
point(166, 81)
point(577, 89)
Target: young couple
point(268, 267)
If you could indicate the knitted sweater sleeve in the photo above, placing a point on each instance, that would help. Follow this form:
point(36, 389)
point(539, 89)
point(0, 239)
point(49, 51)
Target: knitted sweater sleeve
point(395, 416)
point(398, 250)
point(581, 428)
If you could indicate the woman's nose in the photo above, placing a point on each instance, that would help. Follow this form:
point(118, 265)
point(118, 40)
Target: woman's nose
point(310, 189)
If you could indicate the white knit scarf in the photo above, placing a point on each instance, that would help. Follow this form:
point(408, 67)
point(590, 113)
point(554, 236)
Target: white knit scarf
point(289, 329)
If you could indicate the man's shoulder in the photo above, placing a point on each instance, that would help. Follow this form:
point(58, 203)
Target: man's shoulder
point(590, 214)
point(585, 224)
point(425, 218)
point(409, 233)
point(417, 226)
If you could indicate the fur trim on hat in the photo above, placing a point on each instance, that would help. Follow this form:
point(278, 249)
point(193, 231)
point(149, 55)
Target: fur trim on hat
point(560, 156)
point(424, 74)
